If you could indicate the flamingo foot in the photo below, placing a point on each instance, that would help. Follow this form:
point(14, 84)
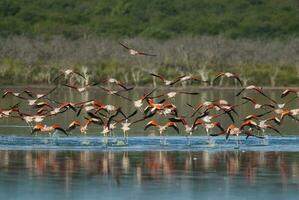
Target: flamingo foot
point(265, 140)
point(105, 141)
point(211, 142)
point(120, 143)
point(163, 142)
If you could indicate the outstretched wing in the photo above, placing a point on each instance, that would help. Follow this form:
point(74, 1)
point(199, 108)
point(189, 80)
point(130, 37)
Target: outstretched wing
point(48, 93)
point(217, 77)
point(79, 74)
point(124, 45)
point(158, 76)
point(146, 54)
point(62, 130)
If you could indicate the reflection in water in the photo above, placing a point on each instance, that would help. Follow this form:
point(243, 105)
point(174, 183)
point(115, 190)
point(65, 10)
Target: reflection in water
point(158, 171)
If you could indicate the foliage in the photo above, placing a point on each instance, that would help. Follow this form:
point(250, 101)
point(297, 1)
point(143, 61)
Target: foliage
point(159, 19)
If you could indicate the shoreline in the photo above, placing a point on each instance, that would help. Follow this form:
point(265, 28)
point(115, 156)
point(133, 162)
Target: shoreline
point(202, 88)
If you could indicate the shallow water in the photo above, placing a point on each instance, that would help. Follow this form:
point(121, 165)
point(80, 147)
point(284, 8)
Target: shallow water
point(83, 168)
point(87, 174)
point(197, 143)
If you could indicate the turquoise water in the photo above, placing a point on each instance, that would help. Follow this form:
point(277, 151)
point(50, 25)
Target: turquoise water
point(198, 143)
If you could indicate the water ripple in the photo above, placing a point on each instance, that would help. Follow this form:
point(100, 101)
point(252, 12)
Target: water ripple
point(149, 144)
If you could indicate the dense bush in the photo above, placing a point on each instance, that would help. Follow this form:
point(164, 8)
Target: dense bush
point(159, 19)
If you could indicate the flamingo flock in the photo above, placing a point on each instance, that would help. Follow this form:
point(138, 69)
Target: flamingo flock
point(155, 108)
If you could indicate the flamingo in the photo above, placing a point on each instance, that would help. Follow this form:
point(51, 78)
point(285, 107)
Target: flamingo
point(170, 95)
point(232, 129)
point(209, 126)
point(289, 91)
point(228, 75)
point(8, 112)
point(165, 81)
point(135, 52)
point(162, 128)
point(188, 129)
point(81, 89)
point(38, 96)
point(109, 126)
point(48, 129)
point(68, 72)
point(256, 116)
point(258, 89)
point(139, 102)
point(290, 113)
point(116, 92)
point(15, 94)
point(29, 119)
point(119, 83)
point(125, 124)
point(261, 125)
point(257, 105)
point(72, 126)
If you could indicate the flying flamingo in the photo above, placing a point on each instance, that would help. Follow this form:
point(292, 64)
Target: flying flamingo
point(15, 94)
point(170, 95)
point(72, 126)
point(188, 129)
point(139, 102)
point(125, 124)
point(288, 92)
point(232, 129)
point(258, 89)
point(257, 105)
point(134, 52)
point(67, 73)
point(48, 129)
point(82, 88)
point(228, 75)
point(115, 92)
point(119, 83)
point(162, 128)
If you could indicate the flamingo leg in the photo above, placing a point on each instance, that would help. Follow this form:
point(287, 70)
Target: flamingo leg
point(84, 141)
point(105, 140)
point(238, 141)
point(211, 142)
point(209, 137)
point(265, 139)
point(30, 125)
point(127, 138)
point(124, 135)
point(188, 140)
point(162, 139)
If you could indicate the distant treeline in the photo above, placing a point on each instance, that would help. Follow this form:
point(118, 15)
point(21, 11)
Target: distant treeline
point(158, 19)
point(263, 62)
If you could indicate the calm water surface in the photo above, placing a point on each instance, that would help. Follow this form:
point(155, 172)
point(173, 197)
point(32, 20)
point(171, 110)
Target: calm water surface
point(79, 168)
point(36, 174)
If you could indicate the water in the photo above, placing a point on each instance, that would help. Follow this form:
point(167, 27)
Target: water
point(55, 174)
point(198, 143)
point(81, 167)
